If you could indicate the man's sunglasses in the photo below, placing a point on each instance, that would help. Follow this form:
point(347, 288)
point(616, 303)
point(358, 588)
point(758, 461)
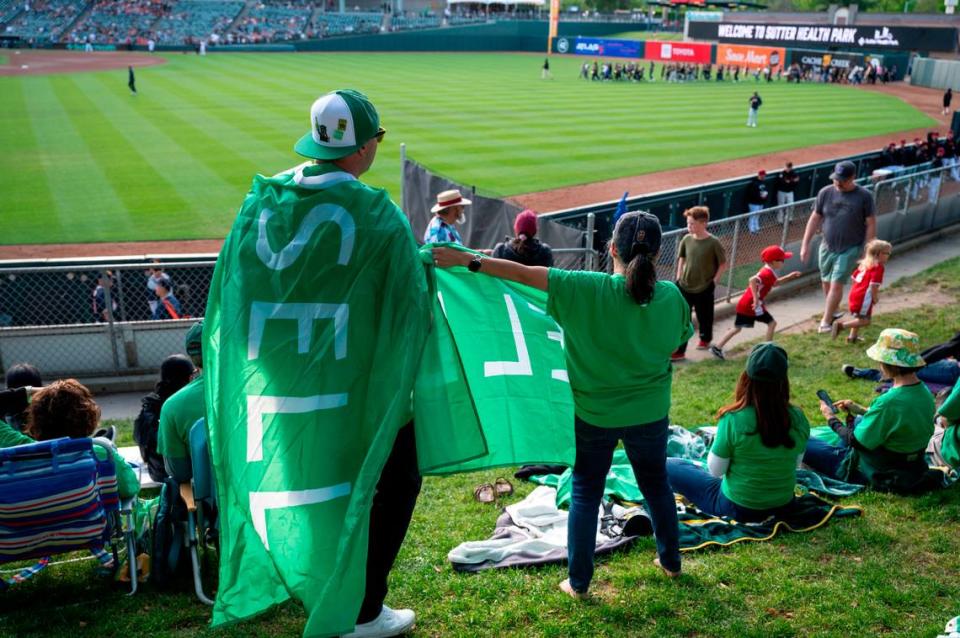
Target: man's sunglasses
point(380, 133)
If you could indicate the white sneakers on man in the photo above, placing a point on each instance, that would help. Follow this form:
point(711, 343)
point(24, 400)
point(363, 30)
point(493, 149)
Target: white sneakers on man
point(390, 622)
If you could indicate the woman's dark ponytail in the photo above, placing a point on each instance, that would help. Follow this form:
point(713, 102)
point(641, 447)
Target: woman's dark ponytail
point(636, 238)
point(641, 277)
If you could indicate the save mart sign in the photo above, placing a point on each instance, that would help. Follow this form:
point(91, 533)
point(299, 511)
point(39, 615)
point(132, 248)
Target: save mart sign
point(847, 37)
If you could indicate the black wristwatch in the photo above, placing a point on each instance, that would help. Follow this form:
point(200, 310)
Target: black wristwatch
point(475, 263)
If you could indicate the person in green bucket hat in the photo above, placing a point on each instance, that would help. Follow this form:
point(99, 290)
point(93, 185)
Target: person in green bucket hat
point(883, 445)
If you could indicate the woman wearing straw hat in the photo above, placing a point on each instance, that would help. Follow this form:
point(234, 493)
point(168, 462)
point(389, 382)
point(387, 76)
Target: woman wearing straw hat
point(883, 445)
point(620, 376)
point(446, 212)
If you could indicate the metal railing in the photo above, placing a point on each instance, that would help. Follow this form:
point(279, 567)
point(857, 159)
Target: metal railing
point(908, 206)
point(50, 315)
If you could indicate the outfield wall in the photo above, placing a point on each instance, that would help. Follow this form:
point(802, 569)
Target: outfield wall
point(496, 36)
point(936, 73)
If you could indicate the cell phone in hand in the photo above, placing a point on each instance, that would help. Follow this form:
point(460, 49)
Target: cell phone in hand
point(823, 396)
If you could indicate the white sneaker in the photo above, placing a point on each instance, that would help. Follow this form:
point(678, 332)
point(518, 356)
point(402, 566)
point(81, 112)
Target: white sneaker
point(390, 622)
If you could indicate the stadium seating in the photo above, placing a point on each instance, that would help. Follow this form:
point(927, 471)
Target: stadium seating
point(353, 22)
point(194, 20)
point(9, 9)
point(111, 21)
point(403, 22)
point(46, 19)
point(274, 22)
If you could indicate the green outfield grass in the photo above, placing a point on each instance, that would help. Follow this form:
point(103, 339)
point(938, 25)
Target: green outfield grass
point(85, 161)
point(895, 571)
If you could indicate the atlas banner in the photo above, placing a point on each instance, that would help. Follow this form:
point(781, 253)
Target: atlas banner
point(608, 48)
point(554, 20)
point(845, 36)
point(820, 59)
point(693, 52)
point(751, 56)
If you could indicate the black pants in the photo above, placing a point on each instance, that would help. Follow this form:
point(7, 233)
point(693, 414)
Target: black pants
point(950, 348)
point(393, 504)
point(702, 304)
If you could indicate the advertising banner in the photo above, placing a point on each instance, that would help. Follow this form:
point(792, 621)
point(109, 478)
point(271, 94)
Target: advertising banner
point(819, 59)
point(554, 20)
point(693, 52)
point(751, 56)
point(608, 48)
point(845, 36)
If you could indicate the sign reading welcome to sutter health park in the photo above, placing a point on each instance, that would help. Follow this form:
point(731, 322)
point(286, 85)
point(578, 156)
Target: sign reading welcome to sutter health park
point(843, 36)
point(608, 48)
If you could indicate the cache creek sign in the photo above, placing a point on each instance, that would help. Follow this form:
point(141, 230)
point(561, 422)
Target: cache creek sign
point(843, 36)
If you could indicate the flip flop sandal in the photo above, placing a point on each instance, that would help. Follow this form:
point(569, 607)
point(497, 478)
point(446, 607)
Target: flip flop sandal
point(485, 493)
point(503, 487)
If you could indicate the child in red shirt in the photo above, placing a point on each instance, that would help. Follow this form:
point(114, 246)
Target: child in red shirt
point(751, 307)
point(865, 290)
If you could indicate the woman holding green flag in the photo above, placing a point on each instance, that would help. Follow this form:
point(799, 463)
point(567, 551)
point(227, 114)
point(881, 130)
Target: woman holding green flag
point(619, 332)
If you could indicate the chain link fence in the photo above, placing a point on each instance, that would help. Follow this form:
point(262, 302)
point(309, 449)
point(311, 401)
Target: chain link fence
point(906, 206)
point(82, 320)
point(85, 320)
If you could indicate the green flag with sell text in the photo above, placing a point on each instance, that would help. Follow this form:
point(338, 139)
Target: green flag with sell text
point(318, 329)
point(509, 355)
point(315, 324)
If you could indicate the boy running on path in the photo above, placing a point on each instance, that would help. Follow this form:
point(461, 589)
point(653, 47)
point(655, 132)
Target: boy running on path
point(751, 307)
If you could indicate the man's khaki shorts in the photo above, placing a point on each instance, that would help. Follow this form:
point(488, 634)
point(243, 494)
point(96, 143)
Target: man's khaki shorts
point(837, 266)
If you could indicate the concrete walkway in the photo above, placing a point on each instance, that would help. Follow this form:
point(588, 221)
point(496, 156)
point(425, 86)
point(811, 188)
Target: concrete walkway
point(790, 309)
point(798, 306)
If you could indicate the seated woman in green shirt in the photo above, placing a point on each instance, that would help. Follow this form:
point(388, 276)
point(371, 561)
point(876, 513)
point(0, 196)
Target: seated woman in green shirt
point(944, 448)
point(760, 441)
point(66, 408)
point(619, 333)
point(882, 446)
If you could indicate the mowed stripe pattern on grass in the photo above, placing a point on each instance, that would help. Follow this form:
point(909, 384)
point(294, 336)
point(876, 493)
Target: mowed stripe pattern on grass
point(86, 161)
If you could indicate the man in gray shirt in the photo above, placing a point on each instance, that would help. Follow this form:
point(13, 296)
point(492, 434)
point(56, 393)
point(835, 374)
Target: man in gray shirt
point(846, 214)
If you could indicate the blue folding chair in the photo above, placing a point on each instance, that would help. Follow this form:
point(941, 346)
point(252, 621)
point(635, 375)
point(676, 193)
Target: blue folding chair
point(58, 497)
point(200, 497)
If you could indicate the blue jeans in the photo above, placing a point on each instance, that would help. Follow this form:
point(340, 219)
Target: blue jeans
point(942, 372)
point(753, 221)
point(827, 459)
point(703, 490)
point(646, 447)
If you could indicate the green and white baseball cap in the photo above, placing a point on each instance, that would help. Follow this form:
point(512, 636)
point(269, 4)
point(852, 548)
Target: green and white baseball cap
point(340, 123)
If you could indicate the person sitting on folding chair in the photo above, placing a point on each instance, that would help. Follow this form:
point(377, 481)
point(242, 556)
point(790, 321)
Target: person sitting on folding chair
point(181, 411)
point(66, 408)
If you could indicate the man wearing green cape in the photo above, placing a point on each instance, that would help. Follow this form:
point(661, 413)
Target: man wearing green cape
point(317, 317)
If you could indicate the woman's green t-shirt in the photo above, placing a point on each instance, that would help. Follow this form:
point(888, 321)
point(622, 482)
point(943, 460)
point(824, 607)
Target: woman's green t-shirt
point(618, 351)
point(950, 446)
point(759, 477)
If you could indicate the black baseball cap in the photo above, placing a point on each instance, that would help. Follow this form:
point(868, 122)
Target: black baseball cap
point(767, 362)
point(844, 171)
point(637, 233)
